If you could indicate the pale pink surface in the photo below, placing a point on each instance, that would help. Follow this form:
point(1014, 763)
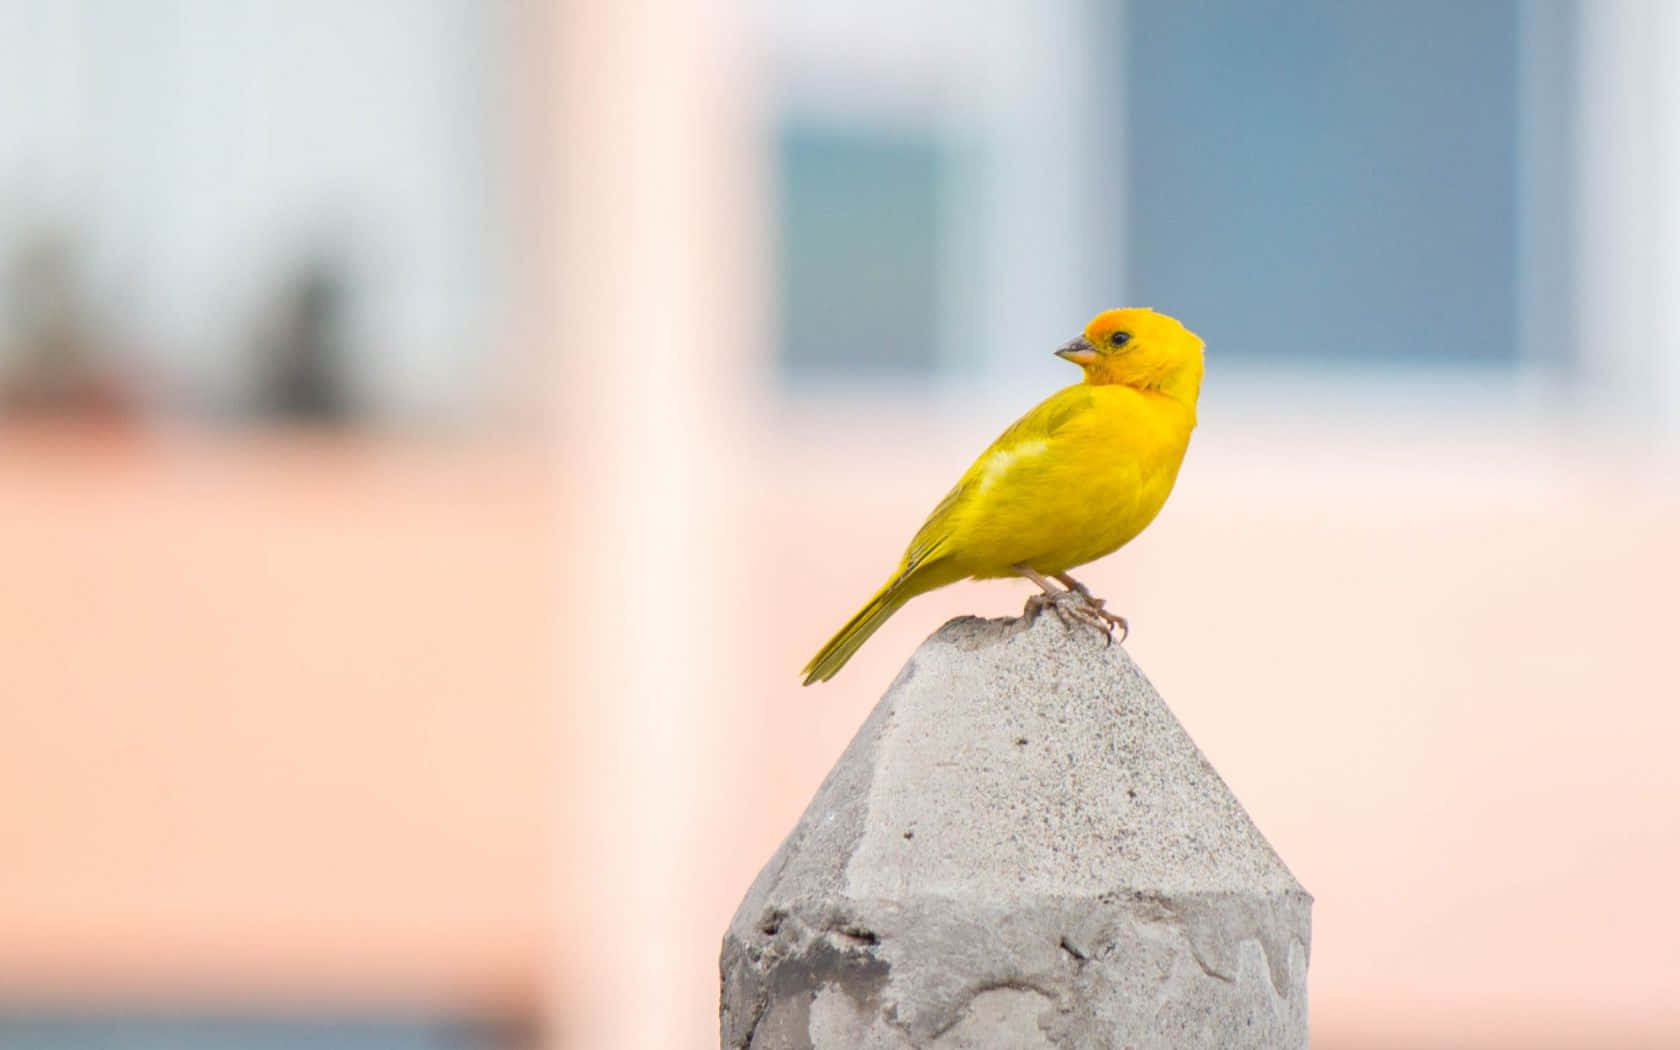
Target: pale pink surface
point(273, 722)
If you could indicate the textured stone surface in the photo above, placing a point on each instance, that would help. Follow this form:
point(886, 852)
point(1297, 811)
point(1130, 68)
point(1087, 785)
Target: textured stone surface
point(1021, 848)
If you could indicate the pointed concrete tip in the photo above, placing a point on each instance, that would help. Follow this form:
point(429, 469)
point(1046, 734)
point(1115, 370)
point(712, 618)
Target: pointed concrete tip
point(1020, 848)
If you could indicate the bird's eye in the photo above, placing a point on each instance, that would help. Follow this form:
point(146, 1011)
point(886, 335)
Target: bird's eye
point(1120, 338)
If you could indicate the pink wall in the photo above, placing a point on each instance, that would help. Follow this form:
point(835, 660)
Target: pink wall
point(273, 722)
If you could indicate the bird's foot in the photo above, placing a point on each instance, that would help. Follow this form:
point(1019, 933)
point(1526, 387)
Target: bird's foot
point(1078, 606)
point(1111, 620)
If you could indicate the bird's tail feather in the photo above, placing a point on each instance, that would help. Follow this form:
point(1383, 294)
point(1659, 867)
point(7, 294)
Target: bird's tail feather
point(833, 656)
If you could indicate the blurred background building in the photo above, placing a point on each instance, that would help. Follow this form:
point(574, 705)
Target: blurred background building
point(434, 433)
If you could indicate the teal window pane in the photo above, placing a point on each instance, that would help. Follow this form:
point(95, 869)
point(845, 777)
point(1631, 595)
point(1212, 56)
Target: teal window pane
point(1320, 179)
point(858, 250)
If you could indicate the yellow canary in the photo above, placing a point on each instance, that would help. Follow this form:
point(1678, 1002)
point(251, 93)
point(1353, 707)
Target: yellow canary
point(1072, 480)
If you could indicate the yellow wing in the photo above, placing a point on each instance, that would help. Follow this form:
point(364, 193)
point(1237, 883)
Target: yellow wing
point(1016, 451)
point(936, 555)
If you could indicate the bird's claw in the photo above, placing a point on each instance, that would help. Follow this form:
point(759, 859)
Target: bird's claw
point(1078, 606)
point(1115, 620)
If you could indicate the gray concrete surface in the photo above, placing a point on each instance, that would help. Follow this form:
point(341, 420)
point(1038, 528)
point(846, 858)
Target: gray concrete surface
point(1021, 848)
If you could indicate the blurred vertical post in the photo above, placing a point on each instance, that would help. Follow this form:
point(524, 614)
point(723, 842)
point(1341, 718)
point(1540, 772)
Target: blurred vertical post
point(657, 279)
point(1630, 203)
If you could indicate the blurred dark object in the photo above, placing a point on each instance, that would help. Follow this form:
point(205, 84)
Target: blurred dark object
point(304, 358)
point(54, 366)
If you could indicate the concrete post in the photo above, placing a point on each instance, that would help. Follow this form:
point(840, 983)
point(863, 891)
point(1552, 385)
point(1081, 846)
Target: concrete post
point(1020, 849)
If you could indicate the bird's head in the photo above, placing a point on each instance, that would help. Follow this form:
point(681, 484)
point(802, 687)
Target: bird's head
point(1140, 348)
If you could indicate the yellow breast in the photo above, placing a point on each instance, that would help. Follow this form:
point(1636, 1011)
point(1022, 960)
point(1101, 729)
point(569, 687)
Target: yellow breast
point(1073, 489)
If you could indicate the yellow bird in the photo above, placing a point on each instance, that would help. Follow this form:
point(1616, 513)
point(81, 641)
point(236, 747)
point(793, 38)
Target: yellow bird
point(1072, 480)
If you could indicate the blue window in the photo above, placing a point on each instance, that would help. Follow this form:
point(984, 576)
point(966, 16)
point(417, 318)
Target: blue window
point(859, 250)
point(159, 1031)
point(1325, 180)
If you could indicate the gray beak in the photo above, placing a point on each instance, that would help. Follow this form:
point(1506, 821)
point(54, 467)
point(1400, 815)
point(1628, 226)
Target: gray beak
point(1079, 351)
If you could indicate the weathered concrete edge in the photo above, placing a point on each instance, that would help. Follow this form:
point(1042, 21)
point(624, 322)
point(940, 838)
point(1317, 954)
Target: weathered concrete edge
point(857, 947)
point(850, 780)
